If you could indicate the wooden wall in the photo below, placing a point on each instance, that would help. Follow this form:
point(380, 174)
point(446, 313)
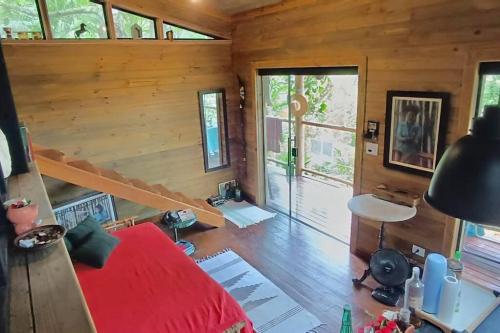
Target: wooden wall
point(126, 105)
point(409, 45)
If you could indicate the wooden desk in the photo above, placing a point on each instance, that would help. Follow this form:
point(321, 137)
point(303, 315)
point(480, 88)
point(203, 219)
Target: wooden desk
point(45, 296)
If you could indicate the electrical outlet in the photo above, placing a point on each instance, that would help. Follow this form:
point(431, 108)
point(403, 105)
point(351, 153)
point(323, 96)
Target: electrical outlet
point(419, 251)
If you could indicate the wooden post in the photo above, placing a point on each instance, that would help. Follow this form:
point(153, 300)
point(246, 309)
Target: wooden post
point(44, 15)
point(110, 22)
point(160, 34)
point(299, 129)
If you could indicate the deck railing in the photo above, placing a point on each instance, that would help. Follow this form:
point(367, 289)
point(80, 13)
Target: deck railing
point(315, 172)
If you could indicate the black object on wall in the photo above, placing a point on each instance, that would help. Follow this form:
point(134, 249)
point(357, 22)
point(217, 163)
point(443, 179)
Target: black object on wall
point(9, 122)
point(466, 183)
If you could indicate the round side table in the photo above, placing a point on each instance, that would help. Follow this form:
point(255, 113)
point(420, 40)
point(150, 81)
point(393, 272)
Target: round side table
point(369, 207)
point(372, 208)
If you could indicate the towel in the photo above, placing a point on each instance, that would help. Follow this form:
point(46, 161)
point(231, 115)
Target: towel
point(273, 134)
point(5, 160)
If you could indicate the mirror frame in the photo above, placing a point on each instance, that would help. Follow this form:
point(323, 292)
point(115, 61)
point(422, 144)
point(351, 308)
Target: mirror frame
point(201, 93)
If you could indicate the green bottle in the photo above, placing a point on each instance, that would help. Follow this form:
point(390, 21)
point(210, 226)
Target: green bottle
point(346, 320)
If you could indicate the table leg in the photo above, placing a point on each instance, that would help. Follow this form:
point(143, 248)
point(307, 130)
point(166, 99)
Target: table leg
point(381, 236)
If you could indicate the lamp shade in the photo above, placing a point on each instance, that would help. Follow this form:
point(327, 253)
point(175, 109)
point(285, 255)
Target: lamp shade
point(466, 183)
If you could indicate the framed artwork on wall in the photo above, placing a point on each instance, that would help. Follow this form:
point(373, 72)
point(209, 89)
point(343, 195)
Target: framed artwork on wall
point(100, 206)
point(415, 130)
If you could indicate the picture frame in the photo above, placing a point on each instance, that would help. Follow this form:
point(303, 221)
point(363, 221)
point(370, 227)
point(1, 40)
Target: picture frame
point(415, 130)
point(100, 206)
point(226, 189)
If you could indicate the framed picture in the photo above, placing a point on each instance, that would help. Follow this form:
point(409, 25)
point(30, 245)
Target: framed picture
point(415, 130)
point(226, 189)
point(100, 206)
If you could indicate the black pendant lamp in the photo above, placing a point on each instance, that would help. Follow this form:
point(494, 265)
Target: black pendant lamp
point(466, 183)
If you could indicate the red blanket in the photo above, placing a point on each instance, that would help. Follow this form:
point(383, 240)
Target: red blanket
point(148, 285)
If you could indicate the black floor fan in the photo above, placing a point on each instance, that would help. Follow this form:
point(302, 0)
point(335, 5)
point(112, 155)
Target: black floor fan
point(391, 269)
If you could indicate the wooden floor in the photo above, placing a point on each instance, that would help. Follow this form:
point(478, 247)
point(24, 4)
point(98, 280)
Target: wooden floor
point(312, 268)
point(481, 258)
point(327, 212)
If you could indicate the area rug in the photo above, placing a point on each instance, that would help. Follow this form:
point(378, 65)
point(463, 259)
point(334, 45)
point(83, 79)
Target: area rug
point(244, 214)
point(269, 308)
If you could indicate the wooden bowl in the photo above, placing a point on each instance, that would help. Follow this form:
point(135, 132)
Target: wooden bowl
point(41, 237)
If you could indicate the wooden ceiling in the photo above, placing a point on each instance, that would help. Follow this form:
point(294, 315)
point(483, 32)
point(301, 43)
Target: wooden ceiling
point(231, 7)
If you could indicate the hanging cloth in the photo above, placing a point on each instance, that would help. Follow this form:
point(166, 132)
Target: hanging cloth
point(273, 135)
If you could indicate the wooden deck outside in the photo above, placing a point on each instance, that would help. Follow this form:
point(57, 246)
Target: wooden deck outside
point(481, 258)
point(319, 204)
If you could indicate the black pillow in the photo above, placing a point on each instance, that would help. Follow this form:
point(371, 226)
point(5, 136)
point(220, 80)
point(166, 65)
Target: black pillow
point(95, 249)
point(68, 244)
point(77, 235)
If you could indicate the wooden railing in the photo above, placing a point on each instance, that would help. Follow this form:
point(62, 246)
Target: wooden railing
point(310, 171)
point(55, 164)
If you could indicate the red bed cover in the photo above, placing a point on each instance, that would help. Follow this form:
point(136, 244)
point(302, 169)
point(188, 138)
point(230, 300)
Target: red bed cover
point(148, 285)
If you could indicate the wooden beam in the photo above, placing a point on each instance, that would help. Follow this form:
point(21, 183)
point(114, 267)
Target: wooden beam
point(160, 34)
point(80, 177)
point(44, 16)
point(110, 22)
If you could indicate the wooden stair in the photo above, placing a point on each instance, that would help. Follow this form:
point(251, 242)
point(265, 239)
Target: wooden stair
point(55, 164)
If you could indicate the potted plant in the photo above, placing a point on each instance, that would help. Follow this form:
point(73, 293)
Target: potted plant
point(22, 214)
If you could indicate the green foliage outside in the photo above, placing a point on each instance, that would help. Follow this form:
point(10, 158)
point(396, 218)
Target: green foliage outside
point(124, 22)
point(320, 91)
point(210, 110)
point(181, 33)
point(19, 15)
point(66, 16)
point(490, 94)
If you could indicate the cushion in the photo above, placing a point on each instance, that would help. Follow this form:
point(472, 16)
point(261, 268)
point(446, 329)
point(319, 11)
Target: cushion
point(95, 249)
point(68, 244)
point(77, 235)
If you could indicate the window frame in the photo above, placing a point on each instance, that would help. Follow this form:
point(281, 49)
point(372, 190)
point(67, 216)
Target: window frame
point(97, 2)
point(192, 30)
point(40, 20)
point(201, 93)
point(137, 14)
point(484, 68)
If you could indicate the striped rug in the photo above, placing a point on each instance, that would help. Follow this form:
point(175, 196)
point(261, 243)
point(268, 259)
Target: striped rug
point(269, 308)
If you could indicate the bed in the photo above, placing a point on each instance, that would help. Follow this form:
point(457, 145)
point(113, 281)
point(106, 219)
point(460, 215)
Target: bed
point(148, 285)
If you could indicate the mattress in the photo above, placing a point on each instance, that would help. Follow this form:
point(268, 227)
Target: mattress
point(149, 285)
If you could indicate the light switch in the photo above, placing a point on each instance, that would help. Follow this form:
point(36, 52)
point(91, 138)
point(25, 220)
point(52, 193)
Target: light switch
point(371, 148)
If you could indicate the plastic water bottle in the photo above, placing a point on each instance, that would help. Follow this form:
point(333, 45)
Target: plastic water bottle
point(414, 291)
point(346, 320)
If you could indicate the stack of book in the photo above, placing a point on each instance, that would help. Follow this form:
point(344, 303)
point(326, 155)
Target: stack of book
point(186, 246)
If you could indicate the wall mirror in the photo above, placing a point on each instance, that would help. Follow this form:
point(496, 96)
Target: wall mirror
point(214, 133)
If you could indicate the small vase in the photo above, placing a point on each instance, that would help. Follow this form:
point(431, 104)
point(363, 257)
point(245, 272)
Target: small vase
point(23, 218)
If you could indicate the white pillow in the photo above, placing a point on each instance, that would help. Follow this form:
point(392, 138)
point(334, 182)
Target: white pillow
point(5, 159)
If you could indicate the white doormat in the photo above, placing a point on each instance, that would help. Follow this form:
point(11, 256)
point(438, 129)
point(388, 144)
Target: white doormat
point(267, 306)
point(244, 214)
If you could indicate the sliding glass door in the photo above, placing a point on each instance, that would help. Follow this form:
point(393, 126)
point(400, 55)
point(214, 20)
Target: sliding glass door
point(309, 118)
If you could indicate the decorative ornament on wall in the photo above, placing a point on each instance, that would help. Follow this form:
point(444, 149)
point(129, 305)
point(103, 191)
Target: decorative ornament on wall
point(243, 164)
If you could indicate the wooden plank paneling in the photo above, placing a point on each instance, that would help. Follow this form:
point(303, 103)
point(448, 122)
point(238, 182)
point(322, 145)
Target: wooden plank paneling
point(420, 45)
point(132, 107)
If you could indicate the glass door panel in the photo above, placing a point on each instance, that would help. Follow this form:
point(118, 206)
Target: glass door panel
point(310, 136)
point(278, 139)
